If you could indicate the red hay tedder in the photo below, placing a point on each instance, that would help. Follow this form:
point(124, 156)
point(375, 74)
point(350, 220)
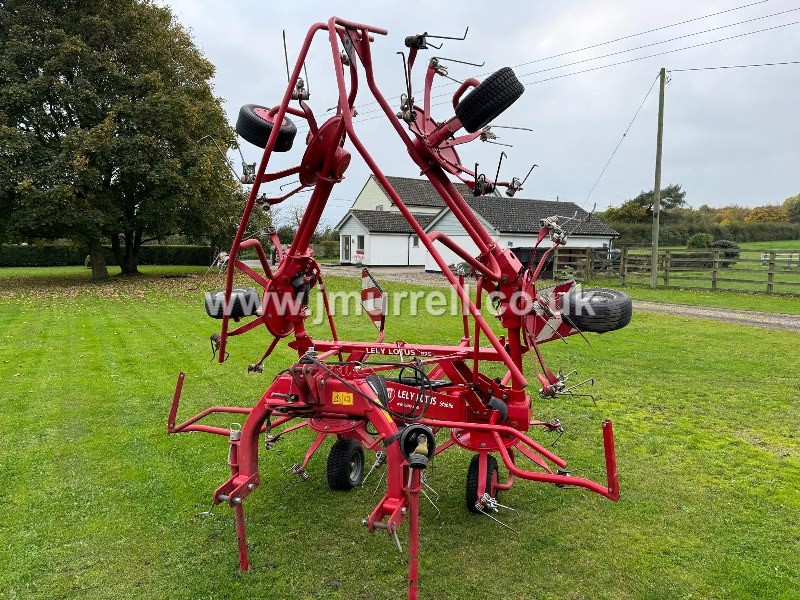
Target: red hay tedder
point(396, 405)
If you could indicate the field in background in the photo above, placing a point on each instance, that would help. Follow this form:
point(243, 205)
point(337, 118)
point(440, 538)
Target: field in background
point(99, 502)
point(776, 245)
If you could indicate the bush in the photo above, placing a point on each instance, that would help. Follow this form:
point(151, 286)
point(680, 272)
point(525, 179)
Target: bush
point(700, 240)
point(731, 254)
point(326, 249)
point(678, 234)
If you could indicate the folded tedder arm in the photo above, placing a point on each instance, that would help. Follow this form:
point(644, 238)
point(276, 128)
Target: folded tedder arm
point(392, 397)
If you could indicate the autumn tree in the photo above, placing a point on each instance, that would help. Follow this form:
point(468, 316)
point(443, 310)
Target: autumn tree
point(767, 214)
point(103, 103)
point(792, 208)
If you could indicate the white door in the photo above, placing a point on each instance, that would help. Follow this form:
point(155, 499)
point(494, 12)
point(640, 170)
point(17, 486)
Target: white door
point(345, 248)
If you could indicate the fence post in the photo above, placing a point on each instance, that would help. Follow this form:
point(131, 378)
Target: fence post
point(714, 270)
point(667, 260)
point(771, 272)
point(623, 265)
point(555, 263)
point(588, 268)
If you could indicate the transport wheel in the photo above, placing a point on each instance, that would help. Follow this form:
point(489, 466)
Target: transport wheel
point(244, 303)
point(345, 464)
point(612, 309)
point(255, 125)
point(495, 94)
point(472, 481)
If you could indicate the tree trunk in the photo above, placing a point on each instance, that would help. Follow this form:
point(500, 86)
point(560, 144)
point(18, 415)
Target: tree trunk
point(128, 264)
point(116, 250)
point(99, 270)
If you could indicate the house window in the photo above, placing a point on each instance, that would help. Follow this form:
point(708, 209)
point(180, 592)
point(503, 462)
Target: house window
point(379, 207)
point(360, 244)
point(415, 241)
point(510, 244)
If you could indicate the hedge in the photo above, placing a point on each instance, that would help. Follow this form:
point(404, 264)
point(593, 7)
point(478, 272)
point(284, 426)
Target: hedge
point(51, 255)
point(678, 234)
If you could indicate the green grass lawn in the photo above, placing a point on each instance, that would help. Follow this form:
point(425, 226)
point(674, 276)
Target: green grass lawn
point(785, 245)
point(640, 290)
point(99, 502)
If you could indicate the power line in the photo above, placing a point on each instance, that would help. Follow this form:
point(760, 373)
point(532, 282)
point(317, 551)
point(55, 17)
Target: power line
point(633, 35)
point(622, 139)
point(773, 64)
point(618, 52)
point(623, 62)
point(638, 58)
point(663, 42)
point(597, 45)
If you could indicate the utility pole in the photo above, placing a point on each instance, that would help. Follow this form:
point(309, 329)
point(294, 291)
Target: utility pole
point(657, 189)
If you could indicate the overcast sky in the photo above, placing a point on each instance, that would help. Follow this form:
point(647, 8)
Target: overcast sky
point(731, 136)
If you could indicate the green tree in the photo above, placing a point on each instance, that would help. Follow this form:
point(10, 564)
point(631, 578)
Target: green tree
point(103, 103)
point(700, 240)
point(640, 208)
point(629, 212)
point(792, 207)
point(672, 196)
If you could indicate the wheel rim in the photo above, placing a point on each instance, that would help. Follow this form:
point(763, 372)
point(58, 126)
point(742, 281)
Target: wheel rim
point(356, 468)
point(595, 297)
point(263, 113)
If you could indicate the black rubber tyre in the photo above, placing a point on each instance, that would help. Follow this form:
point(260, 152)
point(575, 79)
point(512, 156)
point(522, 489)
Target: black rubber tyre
point(472, 480)
point(484, 103)
point(244, 303)
point(256, 129)
point(345, 465)
point(612, 309)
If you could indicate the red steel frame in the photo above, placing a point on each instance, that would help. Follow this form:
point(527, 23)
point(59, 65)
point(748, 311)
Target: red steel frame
point(335, 398)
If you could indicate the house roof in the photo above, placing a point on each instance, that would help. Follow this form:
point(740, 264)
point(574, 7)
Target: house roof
point(384, 221)
point(506, 215)
point(520, 215)
point(419, 192)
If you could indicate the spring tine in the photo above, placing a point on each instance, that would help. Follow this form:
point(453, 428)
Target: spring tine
point(577, 385)
point(594, 401)
point(558, 437)
point(396, 539)
point(438, 512)
point(432, 491)
point(506, 507)
point(447, 37)
point(495, 519)
point(455, 60)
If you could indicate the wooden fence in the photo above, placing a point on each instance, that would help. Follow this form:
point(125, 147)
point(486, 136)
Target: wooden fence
point(771, 271)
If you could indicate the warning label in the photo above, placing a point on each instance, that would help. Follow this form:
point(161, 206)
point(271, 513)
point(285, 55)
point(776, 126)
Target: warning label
point(343, 398)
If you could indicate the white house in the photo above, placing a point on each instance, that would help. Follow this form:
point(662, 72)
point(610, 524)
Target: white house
point(514, 223)
point(374, 232)
point(380, 238)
